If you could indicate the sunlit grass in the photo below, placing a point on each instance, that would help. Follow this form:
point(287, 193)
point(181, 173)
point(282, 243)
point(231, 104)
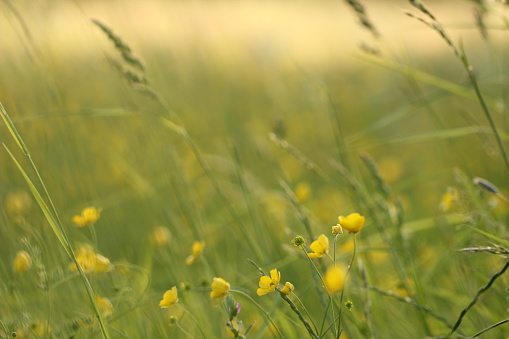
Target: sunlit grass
point(139, 181)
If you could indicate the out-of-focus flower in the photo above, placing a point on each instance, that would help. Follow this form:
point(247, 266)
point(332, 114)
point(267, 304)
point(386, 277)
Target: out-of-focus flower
point(320, 247)
point(22, 262)
point(160, 236)
point(90, 261)
point(288, 288)
point(197, 250)
point(220, 288)
point(88, 216)
point(334, 279)
point(170, 298)
point(352, 223)
point(105, 306)
point(449, 199)
point(16, 204)
point(268, 284)
point(302, 192)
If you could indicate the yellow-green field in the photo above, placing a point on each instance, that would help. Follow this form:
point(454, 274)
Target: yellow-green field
point(152, 147)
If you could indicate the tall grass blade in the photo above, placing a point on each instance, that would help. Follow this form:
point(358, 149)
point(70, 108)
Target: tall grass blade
point(40, 201)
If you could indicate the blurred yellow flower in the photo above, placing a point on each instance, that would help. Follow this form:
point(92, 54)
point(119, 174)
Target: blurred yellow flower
point(197, 250)
point(268, 284)
point(449, 199)
point(160, 236)
point(22, 262)
point(88, 216)
point(91, 262)
point(17, 203)
point(302, 192)
point(288, 288)
point(170, 298)
point(320, 247)
point(105, 306)
point(220, 288)
point(334, 279)
point(352, 223)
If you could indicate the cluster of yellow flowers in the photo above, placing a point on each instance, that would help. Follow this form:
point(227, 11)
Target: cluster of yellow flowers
point(334, 277)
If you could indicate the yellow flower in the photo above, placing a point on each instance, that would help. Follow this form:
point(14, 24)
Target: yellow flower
point(302, 192)
point(88, 216)
point(219, 287)
point(17, 203)
point(22, 262)
point(353, 223)
point(337, 230)
point(288, 288)
point(170, 298)
point(90, 262)
point(334, 279)
point(197, 250)
point(320, 247)
point(160, 236)
point(105, 306)
point(267, 284)
point(449, 199)
point(102, 264)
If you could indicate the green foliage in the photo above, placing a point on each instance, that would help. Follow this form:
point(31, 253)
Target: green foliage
point(201, 163)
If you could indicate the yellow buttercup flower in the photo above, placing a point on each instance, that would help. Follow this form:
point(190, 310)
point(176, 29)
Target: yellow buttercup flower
point(320, 247)
point(90, 261)
point(105, 306)
point(88, 216)
point(288, 288)
point(302, 192)
point(22, 262)
point(334, 279)
point(198, 247)
point(170, 298)
point(352, 223)
point(268, 284)
point(449, 199)
point(220, 288)
point(160, 236)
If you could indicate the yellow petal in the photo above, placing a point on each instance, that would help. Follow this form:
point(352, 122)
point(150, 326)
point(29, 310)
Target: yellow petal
point(288, 288)
point(22, 262)
point(275, 275)
point(170, 297)
point(334, 279)
point(353, 223)
point(220, 288)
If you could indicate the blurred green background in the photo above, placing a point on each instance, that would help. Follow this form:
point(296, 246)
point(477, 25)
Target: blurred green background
point(234, 72)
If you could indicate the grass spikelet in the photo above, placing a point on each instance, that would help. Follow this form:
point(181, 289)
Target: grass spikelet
point(362, 15)
point(308, 164)
point(124, 50)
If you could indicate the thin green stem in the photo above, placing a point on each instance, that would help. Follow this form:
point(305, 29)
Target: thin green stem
point(343, 290)
point(266, 314)
point(484, 106)
point(478, 295)
point(192, 317)
point(489, 328)
point(299, 314)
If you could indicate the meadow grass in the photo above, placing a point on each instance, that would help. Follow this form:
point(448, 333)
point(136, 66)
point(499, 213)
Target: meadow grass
point(188, 195)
